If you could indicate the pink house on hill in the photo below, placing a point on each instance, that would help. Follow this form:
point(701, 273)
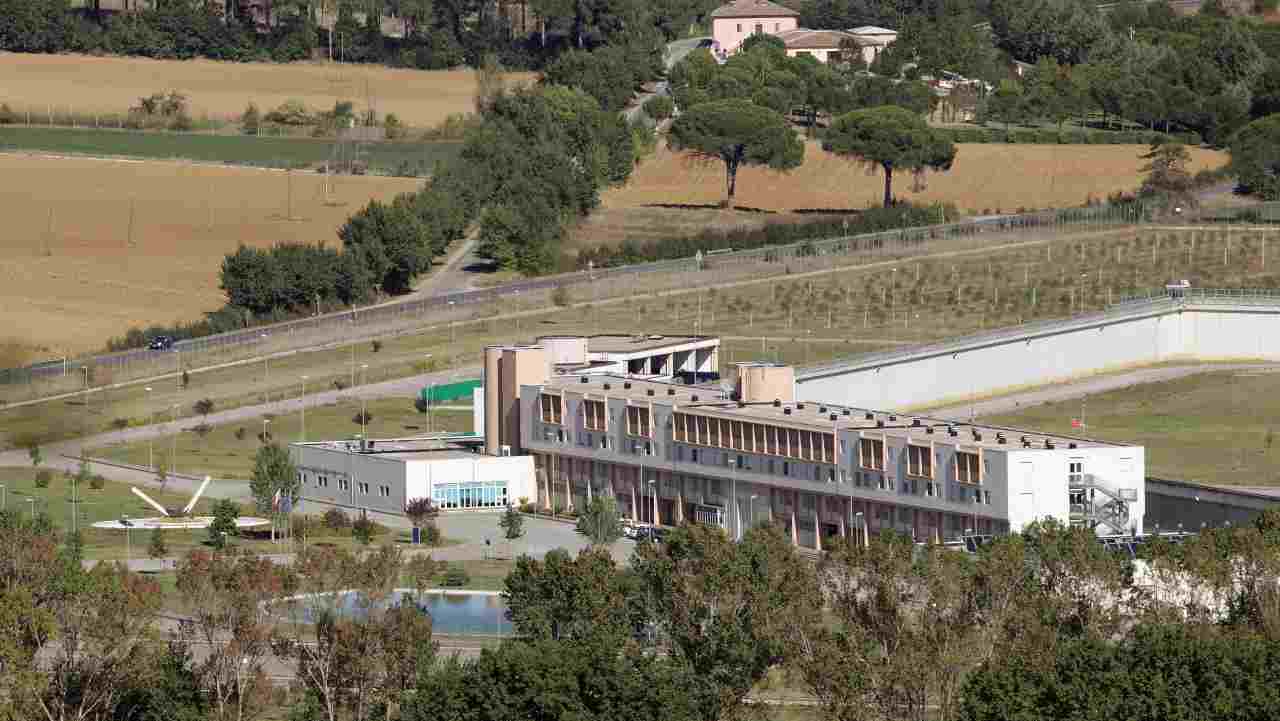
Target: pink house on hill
point(738, 20)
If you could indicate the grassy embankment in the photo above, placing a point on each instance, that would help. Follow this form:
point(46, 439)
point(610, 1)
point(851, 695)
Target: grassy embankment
point(1217, 427)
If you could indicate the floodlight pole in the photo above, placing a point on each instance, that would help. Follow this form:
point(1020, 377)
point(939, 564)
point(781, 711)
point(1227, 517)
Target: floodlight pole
point(151, 459)
point(302, 406)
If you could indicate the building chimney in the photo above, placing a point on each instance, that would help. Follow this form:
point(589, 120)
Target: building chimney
point(760, 382)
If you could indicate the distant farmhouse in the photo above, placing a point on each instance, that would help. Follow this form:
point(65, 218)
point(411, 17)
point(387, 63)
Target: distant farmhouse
point(733, 23)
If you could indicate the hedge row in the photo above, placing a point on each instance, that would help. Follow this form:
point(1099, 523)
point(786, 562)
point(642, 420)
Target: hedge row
point(1051, 136)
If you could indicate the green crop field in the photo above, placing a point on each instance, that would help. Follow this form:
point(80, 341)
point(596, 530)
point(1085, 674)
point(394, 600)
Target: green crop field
point(227, 451)
point(1217, 427)
point(402, 158)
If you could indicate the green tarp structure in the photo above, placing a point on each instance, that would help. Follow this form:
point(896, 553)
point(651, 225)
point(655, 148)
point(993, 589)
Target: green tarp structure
point(445, 392)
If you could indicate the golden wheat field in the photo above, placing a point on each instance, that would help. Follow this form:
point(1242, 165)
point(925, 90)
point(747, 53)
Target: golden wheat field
point(997, 176)
point(82, 84)
point(93, 247)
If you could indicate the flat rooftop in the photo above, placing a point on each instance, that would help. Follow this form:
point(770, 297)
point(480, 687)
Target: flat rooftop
point(639, 343)
point(403, 449)
point(712, 401)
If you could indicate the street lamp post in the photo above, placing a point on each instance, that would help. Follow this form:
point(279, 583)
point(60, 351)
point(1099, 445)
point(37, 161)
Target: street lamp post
point(128, 551)
point(265, 438)
point(364, 378)
point(266, 362)
point(451, 321)
point(302, 407)
point(4, 498)
point(32, 501)
point(173, 449)
point(151, 460)
point(751, 510)
point(653, 487)
point(861, 519)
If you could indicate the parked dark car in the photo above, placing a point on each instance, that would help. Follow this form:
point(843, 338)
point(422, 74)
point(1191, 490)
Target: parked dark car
point(160, 342)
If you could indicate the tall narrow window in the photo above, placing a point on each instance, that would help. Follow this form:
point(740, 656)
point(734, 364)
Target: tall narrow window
point(919, 461)
point(871, 453)
point(967, 468)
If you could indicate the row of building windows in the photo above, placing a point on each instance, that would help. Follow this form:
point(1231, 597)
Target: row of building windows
point(754, 437)
point(322, 481)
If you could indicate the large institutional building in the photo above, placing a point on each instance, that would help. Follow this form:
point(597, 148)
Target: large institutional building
point(671, 453)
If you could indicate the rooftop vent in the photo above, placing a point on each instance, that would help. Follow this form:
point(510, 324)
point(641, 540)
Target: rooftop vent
point(822, 409)
point(1071, 445)
point(741, 404)
point(671, 391)
point(694, 398)
point(868, 415)
point(1001, 440)
point(786, 411)
point(800, 406)
point(607, 386)
point(1048, 444)
point(834, 417)
point(879, 424)
point(627, 385)
point(952, 432)
point(977, 436)
point(649, 392)
point(893, 418)
point(1025, 443)
point(846, 411)
point(928, 430)
point(585, 380)
point(915, 422)
point(777, 403)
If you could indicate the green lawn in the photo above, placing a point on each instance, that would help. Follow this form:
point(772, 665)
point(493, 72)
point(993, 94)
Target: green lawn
point(401, 158)
point(221, 454)
point(1215, 427)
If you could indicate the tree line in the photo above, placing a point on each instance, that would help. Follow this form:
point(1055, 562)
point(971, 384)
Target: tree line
point(434, 34)
point(1208, 73)
point(1046, 624)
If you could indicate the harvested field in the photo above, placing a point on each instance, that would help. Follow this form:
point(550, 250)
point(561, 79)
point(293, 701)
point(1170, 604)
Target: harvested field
point(985, 179)
point(110, 84)
point(93, 247)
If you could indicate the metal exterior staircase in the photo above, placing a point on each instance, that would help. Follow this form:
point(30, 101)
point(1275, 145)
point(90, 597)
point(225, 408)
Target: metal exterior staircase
point(1095, 502)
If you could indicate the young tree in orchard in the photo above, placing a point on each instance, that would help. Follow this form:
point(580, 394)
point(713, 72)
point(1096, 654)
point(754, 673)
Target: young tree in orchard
point(737, 133)
point(892, 138)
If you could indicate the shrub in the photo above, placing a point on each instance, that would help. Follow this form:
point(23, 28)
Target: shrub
point(251, 120)
point(375, 346)
point(264, 436)
point(395, 129)
point(240, 434)
point(43, 476)
point(119, 423)
point(362, 418)
point(362, 530)
point(335, 519)
point(455, 577)
point(431, 535)
point(339, 384)
point(560, 296)
point(7, 116)
point(659, 107)
point(97, 482)
point(291, 112)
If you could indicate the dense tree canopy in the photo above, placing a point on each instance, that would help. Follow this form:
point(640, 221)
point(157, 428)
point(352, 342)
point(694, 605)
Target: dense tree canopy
point(1255, 157)
point(737, 133)
point(893, 139)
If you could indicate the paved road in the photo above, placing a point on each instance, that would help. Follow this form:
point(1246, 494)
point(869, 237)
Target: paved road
point(1015, 402)
point(676, 51)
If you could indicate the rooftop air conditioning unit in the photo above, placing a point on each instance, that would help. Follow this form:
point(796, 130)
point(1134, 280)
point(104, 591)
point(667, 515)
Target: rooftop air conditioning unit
point(504, 451)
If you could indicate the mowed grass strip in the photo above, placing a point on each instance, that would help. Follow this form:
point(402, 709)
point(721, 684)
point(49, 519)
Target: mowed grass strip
point(1219, 427)
point(82, 84)
point(228, 451)
point(383, 158)
point(984, 178)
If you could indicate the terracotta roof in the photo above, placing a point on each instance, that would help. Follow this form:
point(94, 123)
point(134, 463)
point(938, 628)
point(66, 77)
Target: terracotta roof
point(803, 38)
point(753, 9)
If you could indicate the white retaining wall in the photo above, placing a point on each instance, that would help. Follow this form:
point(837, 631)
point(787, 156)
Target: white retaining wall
point(1204, 326)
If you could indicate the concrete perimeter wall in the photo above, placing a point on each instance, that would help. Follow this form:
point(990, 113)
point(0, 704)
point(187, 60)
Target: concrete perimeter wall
point(1202, 325)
